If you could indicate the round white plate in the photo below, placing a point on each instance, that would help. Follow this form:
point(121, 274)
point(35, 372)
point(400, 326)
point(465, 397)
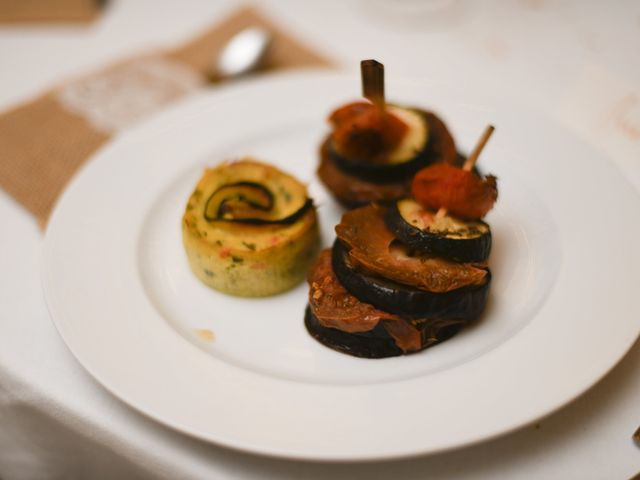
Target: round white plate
point(560, 315)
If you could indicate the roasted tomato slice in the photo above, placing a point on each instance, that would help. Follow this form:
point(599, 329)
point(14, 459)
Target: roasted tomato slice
point(462, 193)
point(373, 248)
point(364, 131)
point(334, 306)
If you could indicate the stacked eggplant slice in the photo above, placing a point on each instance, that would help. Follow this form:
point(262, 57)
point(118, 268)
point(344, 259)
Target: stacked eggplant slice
point(375, 148)
point(403, 277)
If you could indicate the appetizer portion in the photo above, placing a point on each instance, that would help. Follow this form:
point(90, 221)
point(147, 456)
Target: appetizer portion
point(375, 148)
point(250, 229)
point(444, 216)
point(404, 277)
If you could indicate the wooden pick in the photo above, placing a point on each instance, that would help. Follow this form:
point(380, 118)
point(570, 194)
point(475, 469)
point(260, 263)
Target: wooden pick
point(372, 73)
point(470, 162)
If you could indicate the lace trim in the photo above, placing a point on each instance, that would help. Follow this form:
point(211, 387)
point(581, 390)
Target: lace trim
point(114, 99)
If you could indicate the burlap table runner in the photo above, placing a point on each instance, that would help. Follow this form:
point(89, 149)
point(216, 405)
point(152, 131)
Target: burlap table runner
point(48, 11)
point(45, 140)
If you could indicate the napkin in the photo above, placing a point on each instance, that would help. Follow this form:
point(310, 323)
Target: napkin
point(45, 140)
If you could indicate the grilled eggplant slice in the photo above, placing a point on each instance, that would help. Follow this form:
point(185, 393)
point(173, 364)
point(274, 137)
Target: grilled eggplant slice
point(379, 342)
point(448, 237)
point(352, 191)
point(357, 182)
point(465, 304)
point(340, 321)
point(375, 343)
point(250, 229)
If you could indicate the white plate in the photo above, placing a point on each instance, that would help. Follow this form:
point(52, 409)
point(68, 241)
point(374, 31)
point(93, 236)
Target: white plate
point(561, 311)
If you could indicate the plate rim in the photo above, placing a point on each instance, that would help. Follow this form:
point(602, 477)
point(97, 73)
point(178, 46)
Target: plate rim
point(46, 276)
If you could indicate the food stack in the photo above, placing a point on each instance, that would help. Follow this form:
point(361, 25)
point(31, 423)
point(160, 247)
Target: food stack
point(375, 148)
point(406, 276)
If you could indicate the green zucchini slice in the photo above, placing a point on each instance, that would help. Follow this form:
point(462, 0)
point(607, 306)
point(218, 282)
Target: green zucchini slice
point(406, 159)
point(239, 200)
point(448, 237)
point(250, 203)
point(357, 183)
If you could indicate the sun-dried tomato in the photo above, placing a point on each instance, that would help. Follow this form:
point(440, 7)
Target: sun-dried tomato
point(364, 131)
point(464, 194)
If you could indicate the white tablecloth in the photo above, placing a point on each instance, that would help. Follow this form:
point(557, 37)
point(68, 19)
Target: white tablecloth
point(576, 61)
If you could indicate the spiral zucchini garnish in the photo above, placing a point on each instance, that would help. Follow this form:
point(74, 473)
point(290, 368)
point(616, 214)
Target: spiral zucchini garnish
point(250, 229)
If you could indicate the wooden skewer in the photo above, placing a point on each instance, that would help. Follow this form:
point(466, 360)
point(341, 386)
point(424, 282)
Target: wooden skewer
point(473, 156)
point(372, 73)
point(471, 160)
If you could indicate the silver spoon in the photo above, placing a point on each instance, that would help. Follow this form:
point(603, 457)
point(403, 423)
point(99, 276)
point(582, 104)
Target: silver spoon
point(243, 53)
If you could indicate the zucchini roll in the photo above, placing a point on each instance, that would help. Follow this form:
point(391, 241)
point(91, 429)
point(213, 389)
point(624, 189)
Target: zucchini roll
point(250, 229)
